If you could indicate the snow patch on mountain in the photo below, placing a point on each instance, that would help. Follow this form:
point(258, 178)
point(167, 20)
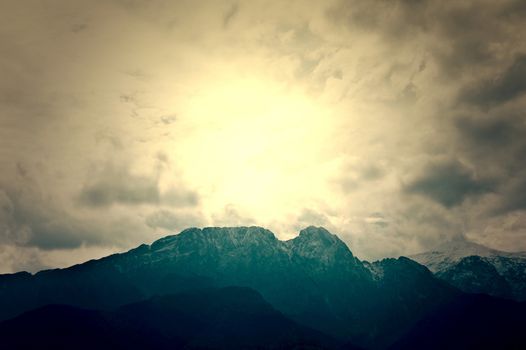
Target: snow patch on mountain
point(475, 268)
point(451, 252)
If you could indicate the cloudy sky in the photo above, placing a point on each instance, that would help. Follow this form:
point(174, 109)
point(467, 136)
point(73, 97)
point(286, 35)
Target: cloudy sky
point(395, 124)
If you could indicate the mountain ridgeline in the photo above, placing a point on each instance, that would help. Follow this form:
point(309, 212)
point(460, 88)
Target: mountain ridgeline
point(474, 268)
point(322, 295)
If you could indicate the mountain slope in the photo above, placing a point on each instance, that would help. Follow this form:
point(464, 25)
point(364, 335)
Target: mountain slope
point(227, 318)
point(470, 322)
point(474, 268)
point(313, 279)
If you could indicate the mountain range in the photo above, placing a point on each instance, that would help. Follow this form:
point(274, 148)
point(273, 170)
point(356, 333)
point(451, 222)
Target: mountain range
point(320, 294)
point(474, 268)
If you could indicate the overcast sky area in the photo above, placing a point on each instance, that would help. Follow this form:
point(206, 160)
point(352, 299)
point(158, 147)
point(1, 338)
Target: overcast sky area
point(397, 125)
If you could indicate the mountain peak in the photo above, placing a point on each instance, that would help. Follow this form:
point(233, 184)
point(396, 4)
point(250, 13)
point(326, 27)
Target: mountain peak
point(236, 236)
point(318, 238)
point(452, 251)
point(242, 231)
point(317, 233)
point(316, 242)
point(461, 246)
point(312, 242)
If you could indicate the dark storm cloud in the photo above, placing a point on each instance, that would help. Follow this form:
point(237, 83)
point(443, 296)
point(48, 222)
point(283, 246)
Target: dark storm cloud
point(471, 38)
point(499, 89)
point(488, 133)
point(115, 184)
point(459, 36)
point(354, 176)
point(377, 219)
point(448, 183)
point(178, 198)
point(33, 219)
point(164, 219)
point(497, 144)
point(498, 139)
point(392, 19)
point(27, 220)
point(466, 32)
point(514, 198)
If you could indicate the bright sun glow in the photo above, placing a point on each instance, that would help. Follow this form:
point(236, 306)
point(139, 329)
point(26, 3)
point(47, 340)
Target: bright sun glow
point(255, 143)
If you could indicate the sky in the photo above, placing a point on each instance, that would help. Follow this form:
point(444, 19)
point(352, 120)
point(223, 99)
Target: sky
point(397, 125)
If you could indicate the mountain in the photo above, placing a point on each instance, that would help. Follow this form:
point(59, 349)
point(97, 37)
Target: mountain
point(474, 268)
point(474, 321)
point(226, 318)
point(313, 279)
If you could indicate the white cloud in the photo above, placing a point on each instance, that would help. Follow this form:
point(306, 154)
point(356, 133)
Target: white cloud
point(270, 113)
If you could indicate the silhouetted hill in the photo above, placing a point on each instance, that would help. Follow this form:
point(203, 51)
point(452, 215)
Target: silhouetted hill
point(227, 318)
point(470, 322)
